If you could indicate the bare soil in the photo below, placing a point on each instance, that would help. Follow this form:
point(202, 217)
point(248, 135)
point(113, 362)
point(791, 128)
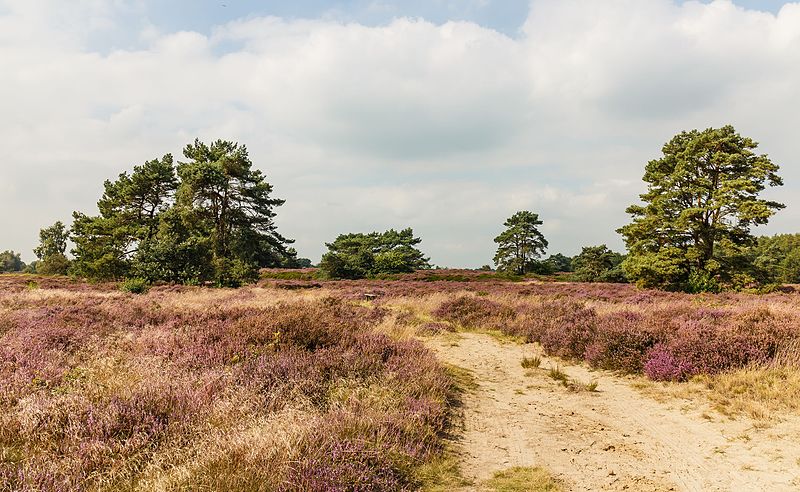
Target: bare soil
point(614, 438)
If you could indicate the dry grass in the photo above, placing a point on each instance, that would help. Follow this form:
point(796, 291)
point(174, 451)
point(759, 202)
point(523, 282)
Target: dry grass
point(523, 479)
point(759, 392)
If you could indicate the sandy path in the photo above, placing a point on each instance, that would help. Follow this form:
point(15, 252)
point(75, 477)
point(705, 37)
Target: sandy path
point(612, 439)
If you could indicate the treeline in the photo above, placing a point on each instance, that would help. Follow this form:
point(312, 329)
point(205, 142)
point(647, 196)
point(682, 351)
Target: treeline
point(207, 219)
point(693, 230)
point(210, 219)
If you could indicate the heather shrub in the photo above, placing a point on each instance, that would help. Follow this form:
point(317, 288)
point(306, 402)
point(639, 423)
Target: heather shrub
point(344, 464)
point(112, 391)
point(662, 365)
point(474, 312)
point(710, 342)
point(563, 328)
point(434, 328)
point(621, 342)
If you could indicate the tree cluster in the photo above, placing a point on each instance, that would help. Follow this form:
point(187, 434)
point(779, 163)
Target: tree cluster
point(694, 228)
point(358, 255)
point(598, 264)
point(209, 218)
point(11, 262)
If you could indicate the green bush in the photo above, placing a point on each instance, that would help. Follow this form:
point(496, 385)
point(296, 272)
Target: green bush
point(134, 286)
point(701, 281)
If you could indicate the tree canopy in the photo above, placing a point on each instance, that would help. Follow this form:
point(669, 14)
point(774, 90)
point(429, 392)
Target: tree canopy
point(702, 200)
point(598, 264)
point(776, 258)
point(51, 249)
point(558, 263)
point(11, 262)
point(209, 218)
point(521, 244)
point(360, 255)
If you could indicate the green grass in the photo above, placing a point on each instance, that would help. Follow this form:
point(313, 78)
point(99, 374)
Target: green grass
point(531, 363)
point(442, 475)
point(267, 274)
point(523, 479)
point(572, 385)
point(559, 375)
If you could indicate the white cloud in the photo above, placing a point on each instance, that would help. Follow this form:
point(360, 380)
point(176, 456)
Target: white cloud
point(447, 128)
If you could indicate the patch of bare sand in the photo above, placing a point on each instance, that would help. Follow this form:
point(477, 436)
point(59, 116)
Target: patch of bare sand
point(611, 439)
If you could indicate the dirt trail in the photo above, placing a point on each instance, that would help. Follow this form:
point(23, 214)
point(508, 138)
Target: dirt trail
point(611, 439)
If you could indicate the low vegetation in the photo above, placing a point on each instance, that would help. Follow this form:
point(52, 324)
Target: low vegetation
point(321, 388)
point(523, 479)
point(191, 389)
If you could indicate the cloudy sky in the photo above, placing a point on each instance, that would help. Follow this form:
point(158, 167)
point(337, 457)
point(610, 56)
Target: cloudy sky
point(443, 115)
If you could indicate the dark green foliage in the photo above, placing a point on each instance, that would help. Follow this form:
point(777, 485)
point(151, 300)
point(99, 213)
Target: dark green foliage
point(521, 244)
point(539, 267)
point(10, 262)
point(209, 219)
point(367, 255)
point(777, 258)
point(302, 263)
point(52, 245)
point(52, 241)
point(702, 199)
point(231, 202)
point(559, 263)
point(56, 264)
point(175, 253)
point(134, 286)
point(598, 264)
point(130, 210)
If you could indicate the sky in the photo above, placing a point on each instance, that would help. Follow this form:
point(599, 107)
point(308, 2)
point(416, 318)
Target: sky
point(443, 115)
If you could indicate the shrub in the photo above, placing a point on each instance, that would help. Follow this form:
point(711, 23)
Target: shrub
point(474, 312)
point(622, 343)
point(563, 328)
point(662, 365)
point(100, 392)
point(134, 286)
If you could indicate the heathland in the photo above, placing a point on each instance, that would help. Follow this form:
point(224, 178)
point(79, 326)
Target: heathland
point(438, 380)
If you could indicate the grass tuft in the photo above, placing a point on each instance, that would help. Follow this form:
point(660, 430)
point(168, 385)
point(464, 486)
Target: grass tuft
point(556, 373)
point(523, 479)
point(531, 362)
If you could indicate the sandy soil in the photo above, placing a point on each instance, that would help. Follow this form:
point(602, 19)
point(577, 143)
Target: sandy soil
point(612, 439)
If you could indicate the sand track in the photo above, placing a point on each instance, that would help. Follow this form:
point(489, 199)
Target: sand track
point(611, 439)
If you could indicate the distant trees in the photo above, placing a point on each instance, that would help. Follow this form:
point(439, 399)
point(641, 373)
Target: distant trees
point(558, 263)
point(358, 255)
point(210, 218)
point(521, 244)
point(776, 259)
point(701, 201)
point(51, 249)
point(131, 213)
point(11, 262)
point(598, 264)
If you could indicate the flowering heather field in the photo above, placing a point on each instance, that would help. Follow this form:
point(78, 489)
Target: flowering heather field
point(201, 389)
point(302, 384)
point(665, 335)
